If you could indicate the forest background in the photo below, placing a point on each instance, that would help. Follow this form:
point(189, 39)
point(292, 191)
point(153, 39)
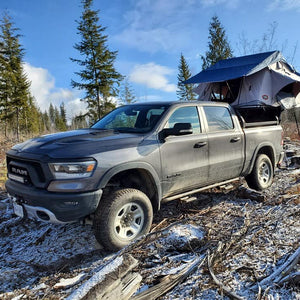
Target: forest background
point(101, 85)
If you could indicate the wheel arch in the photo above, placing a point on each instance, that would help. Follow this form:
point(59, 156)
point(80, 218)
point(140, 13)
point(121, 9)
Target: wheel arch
point(264, 148)
point(138, 175)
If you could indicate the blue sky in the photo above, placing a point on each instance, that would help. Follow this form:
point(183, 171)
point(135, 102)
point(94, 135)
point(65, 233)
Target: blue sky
point(149, 36)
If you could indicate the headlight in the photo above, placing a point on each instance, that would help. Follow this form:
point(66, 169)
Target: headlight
point(71, 170)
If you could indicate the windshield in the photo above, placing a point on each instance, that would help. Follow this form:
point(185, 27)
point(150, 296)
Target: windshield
point(132, 118)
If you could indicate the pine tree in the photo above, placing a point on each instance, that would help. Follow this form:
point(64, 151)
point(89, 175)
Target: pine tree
point(184, 91)
point(14, 84)
point(218, 45)
point(31, 123)
point(51, 114)
point(63, 116)
point(79, 121)
point(59, 125)
point(98, 76)
point(126, 94)
point(46, 122)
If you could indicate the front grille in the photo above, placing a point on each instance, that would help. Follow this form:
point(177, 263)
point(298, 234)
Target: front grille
point(18, 173)
point(24, 168)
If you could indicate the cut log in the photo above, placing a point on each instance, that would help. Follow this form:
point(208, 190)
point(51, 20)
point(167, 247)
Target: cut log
point(114, 281)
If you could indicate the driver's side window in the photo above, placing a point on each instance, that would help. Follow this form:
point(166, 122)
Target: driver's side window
point(187, 114)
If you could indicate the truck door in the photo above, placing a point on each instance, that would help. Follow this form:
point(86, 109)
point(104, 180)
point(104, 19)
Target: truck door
point(225, 144)
point(184, 158)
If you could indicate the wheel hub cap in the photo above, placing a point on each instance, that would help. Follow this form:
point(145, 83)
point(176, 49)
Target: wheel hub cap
point(264, 173)
point(129, 221)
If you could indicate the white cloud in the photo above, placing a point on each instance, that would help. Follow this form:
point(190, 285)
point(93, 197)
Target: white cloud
point(45, 92)
point(156, 25)
point(75, 107)
point(153, 76)
point(284, 5)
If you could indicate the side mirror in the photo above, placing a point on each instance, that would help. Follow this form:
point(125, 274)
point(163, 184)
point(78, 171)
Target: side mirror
point(178, 129)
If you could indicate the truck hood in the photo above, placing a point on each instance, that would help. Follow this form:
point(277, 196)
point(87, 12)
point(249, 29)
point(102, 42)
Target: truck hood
point(78, 143)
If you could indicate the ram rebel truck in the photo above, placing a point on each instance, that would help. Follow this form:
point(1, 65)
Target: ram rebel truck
point(120, 170)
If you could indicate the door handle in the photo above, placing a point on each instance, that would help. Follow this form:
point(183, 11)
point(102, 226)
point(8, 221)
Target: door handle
point(235, 139)
point(200, 144)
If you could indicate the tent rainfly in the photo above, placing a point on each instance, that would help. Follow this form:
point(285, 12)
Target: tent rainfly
point(259, 79)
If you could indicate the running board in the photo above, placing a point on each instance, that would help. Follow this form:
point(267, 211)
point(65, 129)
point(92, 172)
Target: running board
point(198, 190)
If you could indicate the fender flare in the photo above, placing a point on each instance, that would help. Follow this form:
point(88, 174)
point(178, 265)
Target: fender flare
point(131, 166)
point(257, 150)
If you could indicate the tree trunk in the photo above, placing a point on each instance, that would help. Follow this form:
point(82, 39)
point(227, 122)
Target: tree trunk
point(98, 104)
point(18, 125)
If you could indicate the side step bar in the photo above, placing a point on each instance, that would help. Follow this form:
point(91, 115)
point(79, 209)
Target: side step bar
point(198, 190)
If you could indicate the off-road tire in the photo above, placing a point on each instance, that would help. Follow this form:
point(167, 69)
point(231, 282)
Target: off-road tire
point(121, 217)
point(262, 174)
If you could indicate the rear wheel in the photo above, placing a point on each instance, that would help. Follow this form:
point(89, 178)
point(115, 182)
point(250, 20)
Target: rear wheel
point(262, 174)
point(121, 217)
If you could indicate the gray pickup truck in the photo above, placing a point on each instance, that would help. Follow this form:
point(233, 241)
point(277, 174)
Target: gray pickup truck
point(122, 168)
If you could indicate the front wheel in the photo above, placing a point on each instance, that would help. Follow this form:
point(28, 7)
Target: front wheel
point(262, 174)
point(121, 217)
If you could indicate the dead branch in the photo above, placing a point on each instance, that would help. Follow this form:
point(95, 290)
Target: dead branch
point(293, 277)
point(282, 271)
point(158, 225)
point(227, 291)
point(170, 281)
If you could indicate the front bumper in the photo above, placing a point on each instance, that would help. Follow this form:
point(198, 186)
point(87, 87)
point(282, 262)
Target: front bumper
point(60, 207)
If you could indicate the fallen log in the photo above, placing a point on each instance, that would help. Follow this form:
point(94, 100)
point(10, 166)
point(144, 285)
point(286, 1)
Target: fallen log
point(114, 281)
point(169, 281)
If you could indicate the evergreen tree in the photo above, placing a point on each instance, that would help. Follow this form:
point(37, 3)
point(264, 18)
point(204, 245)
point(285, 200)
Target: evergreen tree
point(46, 122)
point(55, 120)
point(184, 91)
point(63, 115)
point(126, 94)
point(14, 84)
point(218, 45)
point(31, 123)
point(98, 77)
point(51, 114)
point(79, 121)
point(58, 120)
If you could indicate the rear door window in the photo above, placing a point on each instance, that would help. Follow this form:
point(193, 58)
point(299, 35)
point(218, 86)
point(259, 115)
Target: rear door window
point(218, 118)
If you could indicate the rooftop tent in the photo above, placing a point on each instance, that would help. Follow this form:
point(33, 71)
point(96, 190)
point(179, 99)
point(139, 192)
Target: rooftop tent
point(263, 78)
